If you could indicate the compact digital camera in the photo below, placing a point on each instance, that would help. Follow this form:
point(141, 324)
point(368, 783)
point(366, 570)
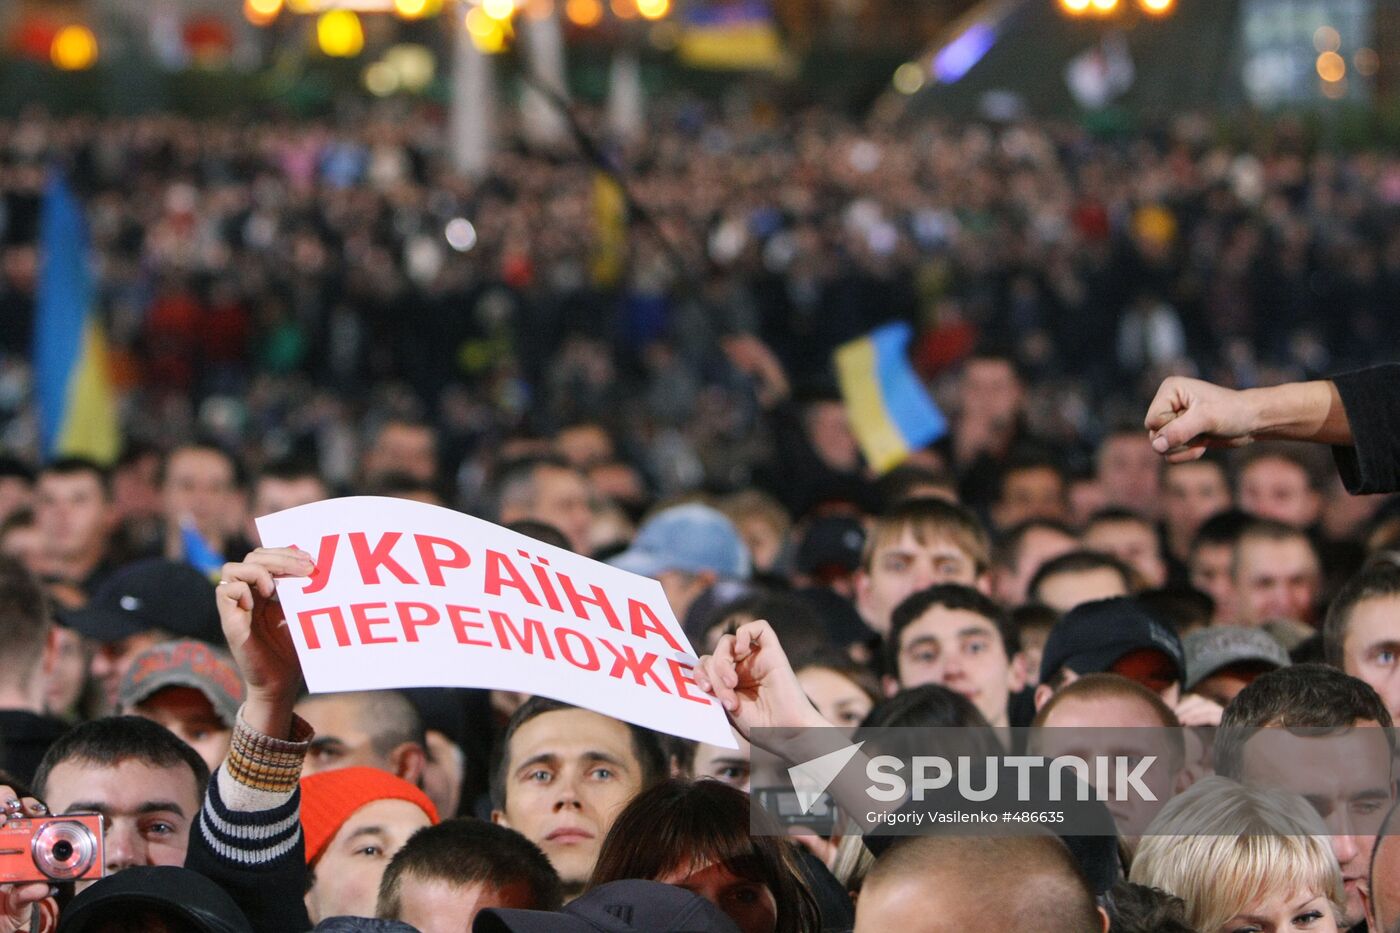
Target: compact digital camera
point(55, 848)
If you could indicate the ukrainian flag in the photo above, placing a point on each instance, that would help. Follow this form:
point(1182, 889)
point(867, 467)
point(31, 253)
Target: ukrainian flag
point(891, 412)
point(731, 34)
point(72, 383)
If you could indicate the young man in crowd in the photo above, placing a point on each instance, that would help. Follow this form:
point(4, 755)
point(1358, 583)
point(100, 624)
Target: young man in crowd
point(562, 776)
point(446, 874)
point(30, 655)
point(548, 490)
point(400, 446)
point(1223, 660)
point(1030, 487)
point(75, 519)
point(354, 821)
point(1080, 577)
point(146, 783)
point(200, 492)
point(1279, 482)
point(284, 485)
point(368, 728)
point(1129, 471)
point(914, 546)
point(1022, 551)
point(1210, 566)
point(1132, 539)
point(1276, 574)
point(955, 636)
point(1361, 634)
point(1191, 493)
point(1322, 752)
point(188, 687)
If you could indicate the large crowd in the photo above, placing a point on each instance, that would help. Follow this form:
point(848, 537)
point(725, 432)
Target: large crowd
point(299, 311)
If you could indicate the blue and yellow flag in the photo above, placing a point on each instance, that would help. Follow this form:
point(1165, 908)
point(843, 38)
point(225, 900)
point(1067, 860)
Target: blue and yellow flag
point(891, 412)
point(72, 382)
point(198, 553)
point(730, 34)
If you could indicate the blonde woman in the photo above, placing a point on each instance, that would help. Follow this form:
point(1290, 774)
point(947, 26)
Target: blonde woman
point(1244, 860)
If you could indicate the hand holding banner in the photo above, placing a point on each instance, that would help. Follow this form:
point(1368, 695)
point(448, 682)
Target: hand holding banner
point(413, 595)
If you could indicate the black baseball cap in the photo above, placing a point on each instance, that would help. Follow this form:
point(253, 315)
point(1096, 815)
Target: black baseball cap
point(831, 544)
point(178, 892)
point(150, 594)
point(1093, 636)
point(616, 907)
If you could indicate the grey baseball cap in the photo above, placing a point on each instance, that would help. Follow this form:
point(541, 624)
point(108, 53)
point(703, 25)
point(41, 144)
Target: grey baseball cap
point(617, 907)
point(1211, 649)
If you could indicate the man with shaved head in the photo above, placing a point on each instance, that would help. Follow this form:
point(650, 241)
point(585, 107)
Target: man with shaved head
point(932, 884)
point(373, 728)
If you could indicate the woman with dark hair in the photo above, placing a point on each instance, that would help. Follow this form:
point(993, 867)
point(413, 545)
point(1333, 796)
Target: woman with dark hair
point(696, 835)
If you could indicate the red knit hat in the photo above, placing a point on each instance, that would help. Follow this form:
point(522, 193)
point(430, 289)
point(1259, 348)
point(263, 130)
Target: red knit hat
point(330, 798)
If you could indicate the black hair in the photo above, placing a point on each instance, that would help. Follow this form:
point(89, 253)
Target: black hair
point(953, 596)
point(1080, 561)
point(109, 741)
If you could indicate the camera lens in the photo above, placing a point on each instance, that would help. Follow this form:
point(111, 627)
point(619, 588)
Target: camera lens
point(64, 850)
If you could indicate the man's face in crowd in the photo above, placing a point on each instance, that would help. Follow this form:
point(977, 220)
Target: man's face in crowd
point(1112, 726)
point(1030, 492)
point(431, 905)
point(1371, 649)
point(348, 873)
point(1134, 543)
point(73, 514)
point(1225, 684)
point(1384, 898)
point(1063, 591)
point(569, 773)
point(344, 737)
point(900, 566)
point(562, 499)
point(991, 392)
point(1129, 470)
point(1038, 545)
point(1275, 579)
point(829, 432)
point(1347, 779)
point(750, 904)
point(147, 811)
point(962, 651)
point(188, 713)
point(1279, 489)
point(199, 484)
point(1212, 569)
point(1191, 493)
point(584, 445)
point(408, 449)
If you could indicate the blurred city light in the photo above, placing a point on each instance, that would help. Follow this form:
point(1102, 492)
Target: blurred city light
point(957, 57)
point(381, 79)
point(339, 34)
point(1331, 67)
point(261, 12)
point(417, 9)
point(624, 9)
point(1157, 7)
point(583, 12)
point(538, 9)
point(488, 34)
point(1074, 7)
point(653, 9)
point(1367, 62)
point(1104, 6)
point(74, 48)
point(498, 9)
point(461, 235)
point(908, 78)
point(1334, 90)
point(1327, 39)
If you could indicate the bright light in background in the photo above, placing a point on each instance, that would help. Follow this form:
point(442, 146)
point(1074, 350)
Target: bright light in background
point(1104, 6)
point(461, 235)
point(1157, 7)
point(417, 9)
point(339, 34)
point(653, 9)
point(624, 9)
point(488, 35)
point(1331, 67)
point(539, 9)
point(413, 65)
point(1367, 62)
point(957, 57)
point(908, 78)
point(261, 12)
point(74, 48)
point(498, 9)
point(583, 12)
point(381, 79)
point(1074, 7)
point(1327, 39)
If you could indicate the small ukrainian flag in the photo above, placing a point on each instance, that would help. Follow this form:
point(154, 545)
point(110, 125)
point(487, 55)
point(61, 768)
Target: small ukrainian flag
point(891, 412)
point(72, 383)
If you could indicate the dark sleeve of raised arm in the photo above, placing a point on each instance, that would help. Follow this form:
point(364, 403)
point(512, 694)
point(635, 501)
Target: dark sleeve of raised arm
point(1371, 398)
